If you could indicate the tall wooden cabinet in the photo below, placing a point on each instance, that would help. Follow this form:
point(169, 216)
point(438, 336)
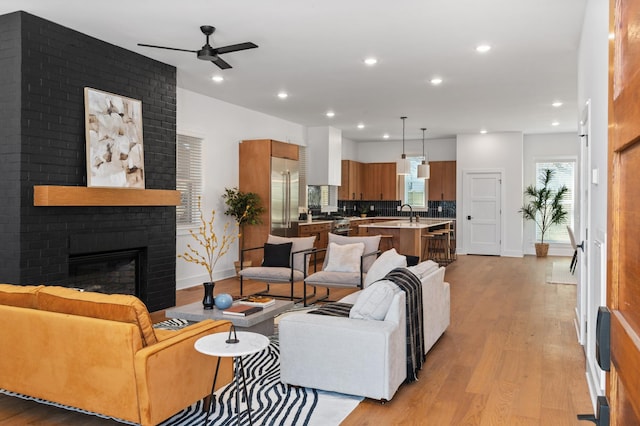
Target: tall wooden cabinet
point(442, 182)
point(255, 176)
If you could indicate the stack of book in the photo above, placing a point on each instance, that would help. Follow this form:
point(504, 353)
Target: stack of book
point(241, 310)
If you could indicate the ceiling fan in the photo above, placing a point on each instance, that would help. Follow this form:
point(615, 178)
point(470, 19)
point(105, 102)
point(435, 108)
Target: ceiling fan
point(208, 53)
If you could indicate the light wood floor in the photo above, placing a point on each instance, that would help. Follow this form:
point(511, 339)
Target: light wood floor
point(510, 356)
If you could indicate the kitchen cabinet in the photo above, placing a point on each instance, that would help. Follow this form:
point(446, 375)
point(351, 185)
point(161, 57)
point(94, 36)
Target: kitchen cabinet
point(379, 181)
point(318, 230)
point(442, 182)
point(368, 181)
point(350, 188)
point(255, 176)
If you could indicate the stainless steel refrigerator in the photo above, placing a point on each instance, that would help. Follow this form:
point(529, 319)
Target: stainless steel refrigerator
point(285, 181)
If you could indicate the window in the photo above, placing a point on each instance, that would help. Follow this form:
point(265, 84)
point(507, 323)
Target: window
point(188, 178)
point(564, 174)
point(415, 193)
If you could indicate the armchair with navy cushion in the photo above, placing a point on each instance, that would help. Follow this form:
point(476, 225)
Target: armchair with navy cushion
point(284, 262)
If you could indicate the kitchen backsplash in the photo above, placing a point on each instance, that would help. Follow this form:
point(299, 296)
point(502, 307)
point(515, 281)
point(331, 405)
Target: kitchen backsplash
point(390, 208)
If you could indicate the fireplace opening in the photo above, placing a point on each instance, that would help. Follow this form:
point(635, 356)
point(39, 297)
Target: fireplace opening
point(115, 272)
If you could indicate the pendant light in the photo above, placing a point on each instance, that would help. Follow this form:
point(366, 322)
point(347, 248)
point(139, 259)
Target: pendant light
point(424, 170)
point(403, 166)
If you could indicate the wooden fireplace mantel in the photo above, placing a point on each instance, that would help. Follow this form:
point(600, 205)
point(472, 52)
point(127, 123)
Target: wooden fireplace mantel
point(51, 195)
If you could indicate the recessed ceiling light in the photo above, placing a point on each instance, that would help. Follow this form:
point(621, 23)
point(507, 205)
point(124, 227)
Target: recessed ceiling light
point(555, 123)
point(436, 81)
point(386, 136)
point(217, 78)
point(370, 61)
point(556, 104)
point(483, 48)
point(331, 114)
point(360, 125)
point(283, 95)
point(483, 132)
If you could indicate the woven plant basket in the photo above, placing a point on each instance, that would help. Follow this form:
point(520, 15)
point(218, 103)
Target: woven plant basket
point(542, 249)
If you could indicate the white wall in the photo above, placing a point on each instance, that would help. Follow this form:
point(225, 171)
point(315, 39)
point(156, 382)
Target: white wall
point(349, 149)
point(382, 151)
point(593, 64)
point(496, 152)
point(540, 147)
point(222, 126)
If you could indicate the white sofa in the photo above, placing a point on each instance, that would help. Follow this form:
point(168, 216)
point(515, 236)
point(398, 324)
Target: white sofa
point(360, 357)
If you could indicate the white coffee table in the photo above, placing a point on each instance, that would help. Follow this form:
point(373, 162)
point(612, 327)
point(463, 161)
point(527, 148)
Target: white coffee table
point(260, 322)
point(218, 344)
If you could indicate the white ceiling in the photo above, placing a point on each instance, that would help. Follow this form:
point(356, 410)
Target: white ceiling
point(314, 50)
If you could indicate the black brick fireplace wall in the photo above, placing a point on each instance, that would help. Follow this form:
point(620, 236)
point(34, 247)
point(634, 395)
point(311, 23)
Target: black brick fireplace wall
point(45, 68)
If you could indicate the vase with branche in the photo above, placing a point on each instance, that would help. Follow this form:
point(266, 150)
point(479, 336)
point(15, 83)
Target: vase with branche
point(210, 250)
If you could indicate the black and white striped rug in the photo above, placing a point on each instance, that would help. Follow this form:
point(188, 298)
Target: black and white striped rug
point(272, 403)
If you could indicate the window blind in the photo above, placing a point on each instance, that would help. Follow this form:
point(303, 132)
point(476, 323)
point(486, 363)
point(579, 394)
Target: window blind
point(188, 178)
point(564, 174)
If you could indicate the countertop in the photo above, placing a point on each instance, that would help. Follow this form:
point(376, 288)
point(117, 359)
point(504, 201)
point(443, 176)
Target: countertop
point(404, 223)
point(386, 218)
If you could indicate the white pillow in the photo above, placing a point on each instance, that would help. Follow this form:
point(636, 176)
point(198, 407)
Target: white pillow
point(344, 258)
point(387, 262)
point(374, 301)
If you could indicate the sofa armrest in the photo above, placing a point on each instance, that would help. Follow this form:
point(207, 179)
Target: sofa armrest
point(172, 375)
point(352, 356)
point(436, 301)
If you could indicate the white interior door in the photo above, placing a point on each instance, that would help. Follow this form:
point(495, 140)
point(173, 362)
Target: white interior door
point(482, 217)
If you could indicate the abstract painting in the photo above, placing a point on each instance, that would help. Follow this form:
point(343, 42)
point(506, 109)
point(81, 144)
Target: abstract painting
point(115, 155)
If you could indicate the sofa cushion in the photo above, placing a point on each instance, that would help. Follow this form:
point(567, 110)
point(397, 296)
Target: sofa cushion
point(298, 243)
point(423, 269)
point(385, 263)
point(270, 274)
point(374, 301)
point(114, 307)
point(277, 255)
point(344, 258)
point(21, 296)
point(371, 245)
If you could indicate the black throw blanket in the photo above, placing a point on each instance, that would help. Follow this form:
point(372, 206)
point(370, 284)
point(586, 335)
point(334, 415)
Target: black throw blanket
point(412, 286)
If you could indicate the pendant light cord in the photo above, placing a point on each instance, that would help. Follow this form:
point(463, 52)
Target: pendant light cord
point(424, 157)
point(403, 154)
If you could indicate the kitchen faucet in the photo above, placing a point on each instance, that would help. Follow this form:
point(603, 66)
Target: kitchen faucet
point(410, 211)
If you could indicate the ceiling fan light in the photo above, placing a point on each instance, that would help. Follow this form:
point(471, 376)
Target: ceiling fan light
point(424, 171)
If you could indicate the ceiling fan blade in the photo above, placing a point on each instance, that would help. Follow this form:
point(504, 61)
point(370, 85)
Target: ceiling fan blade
point(236, 47)
point(167, 48)
point(221, 63)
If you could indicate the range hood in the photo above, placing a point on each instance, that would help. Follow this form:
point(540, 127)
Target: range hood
point(324, 153)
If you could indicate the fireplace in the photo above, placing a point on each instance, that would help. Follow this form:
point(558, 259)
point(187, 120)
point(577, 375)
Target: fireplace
point(111, 272)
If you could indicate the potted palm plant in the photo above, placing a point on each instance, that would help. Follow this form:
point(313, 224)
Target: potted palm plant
point(544, 207)
point(246, 208)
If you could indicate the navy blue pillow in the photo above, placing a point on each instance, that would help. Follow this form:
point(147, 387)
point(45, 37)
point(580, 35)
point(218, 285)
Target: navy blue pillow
point(277, 255)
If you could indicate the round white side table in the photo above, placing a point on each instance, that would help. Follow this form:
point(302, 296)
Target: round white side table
point(218, 344)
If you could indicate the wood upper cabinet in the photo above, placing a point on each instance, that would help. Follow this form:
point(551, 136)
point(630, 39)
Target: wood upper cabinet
point(350, 188)
point(379, 181)
point(368, 181)
point(442, 181)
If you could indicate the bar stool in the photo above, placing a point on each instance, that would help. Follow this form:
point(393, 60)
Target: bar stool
point(427, 238)
point(386, 242)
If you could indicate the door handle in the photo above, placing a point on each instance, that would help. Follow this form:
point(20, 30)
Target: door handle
point(468, 217)
point(581, 246)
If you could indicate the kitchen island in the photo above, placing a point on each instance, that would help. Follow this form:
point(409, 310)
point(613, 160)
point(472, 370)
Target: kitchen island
point(406, 236)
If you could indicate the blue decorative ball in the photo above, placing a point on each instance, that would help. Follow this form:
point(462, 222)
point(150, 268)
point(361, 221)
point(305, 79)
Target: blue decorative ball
point(223, 301)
